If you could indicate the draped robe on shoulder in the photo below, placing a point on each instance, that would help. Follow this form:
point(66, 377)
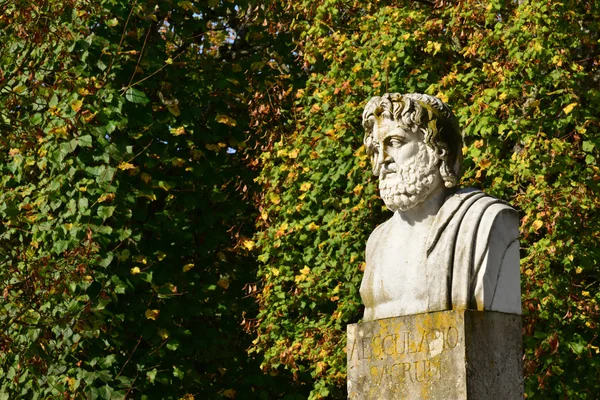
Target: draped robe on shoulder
point(472, 257)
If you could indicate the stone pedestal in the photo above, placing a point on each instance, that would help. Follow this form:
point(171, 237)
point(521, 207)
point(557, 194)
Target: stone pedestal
point(443, 355)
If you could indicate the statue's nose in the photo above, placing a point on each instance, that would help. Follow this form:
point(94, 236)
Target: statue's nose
point(383, 157)
point(382, 161)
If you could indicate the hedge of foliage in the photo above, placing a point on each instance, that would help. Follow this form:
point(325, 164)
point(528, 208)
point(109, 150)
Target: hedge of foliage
point(522, 77)
point(124, 207)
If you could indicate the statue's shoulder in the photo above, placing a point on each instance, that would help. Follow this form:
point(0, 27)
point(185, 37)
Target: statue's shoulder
point(475, 211)
point(377, 233)
point(490, 220)
point(473, 200)
point(491, 212)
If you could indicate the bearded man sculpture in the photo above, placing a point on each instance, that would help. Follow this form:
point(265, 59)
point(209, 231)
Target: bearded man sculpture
point(444, 248)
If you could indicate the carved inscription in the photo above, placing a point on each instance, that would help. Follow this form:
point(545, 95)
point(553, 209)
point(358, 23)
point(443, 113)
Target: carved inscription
point(403, 358)
point(432, 342)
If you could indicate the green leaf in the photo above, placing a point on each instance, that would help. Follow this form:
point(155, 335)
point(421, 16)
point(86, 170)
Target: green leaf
point(85, 141)
point(136, 96)
point(105, 211)
point(151, 375)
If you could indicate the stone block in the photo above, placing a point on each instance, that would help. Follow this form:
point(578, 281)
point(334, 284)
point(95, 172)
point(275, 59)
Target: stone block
point(456, 354)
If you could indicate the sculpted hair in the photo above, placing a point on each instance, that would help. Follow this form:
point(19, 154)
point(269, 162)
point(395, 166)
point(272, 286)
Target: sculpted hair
point(426, 113)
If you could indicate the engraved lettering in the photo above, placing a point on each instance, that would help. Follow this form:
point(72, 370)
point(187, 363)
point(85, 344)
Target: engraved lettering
point(412, 345)
point(365, 348)
point(353, 348)
point(390, 347)
point(377, 349)
point(406, 369)
point(403, 358)
point(452, 337)
point(376, 375)
point(416, 369)
point(396, 338)
point(423, 340)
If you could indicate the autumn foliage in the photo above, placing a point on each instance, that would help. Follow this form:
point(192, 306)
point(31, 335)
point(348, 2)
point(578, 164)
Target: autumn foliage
point(185, 198)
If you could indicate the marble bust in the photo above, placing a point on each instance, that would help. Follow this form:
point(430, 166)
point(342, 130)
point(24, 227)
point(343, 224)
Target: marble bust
point(444, 248)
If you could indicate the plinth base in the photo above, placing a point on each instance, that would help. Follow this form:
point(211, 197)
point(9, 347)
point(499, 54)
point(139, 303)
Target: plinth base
point(456, 355)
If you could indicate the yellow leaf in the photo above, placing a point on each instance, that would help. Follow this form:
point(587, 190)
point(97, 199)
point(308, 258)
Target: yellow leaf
point(187, 267)
point(125, 166)
point(293, 153)
point(578, 270)
point(60, 131)
point(585, 293)
point(358, 189)
point(312, 226)
point(76, 105)
point(567, 110)
point(229, 393)
point(135, 270)
point(275, 198)
point(442, 97)
point(88, 116)
point(177, 131)
point(282, 153)
point(178, 162)
point(13, 152)
point(152, 314)
point(223, 283)
point(275, 271)
point(106, 197)
point(249, 244)
point(484, 164)
point(163, 333)
point(145, 177)
point(226, 119)
point(537, 224)
point(305, 270)
point(305, 187)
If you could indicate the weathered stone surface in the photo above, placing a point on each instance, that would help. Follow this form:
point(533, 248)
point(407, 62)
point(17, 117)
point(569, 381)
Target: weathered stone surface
point(456, 355)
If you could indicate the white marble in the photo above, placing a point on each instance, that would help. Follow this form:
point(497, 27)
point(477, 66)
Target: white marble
point(443, 248)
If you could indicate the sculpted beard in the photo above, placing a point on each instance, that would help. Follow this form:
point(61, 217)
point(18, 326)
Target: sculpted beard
point(403, 187)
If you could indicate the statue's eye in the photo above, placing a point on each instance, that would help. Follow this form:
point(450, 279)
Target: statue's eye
point(396, 142)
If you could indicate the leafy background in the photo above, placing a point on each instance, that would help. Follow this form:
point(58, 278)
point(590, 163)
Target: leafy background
point(185, 198)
